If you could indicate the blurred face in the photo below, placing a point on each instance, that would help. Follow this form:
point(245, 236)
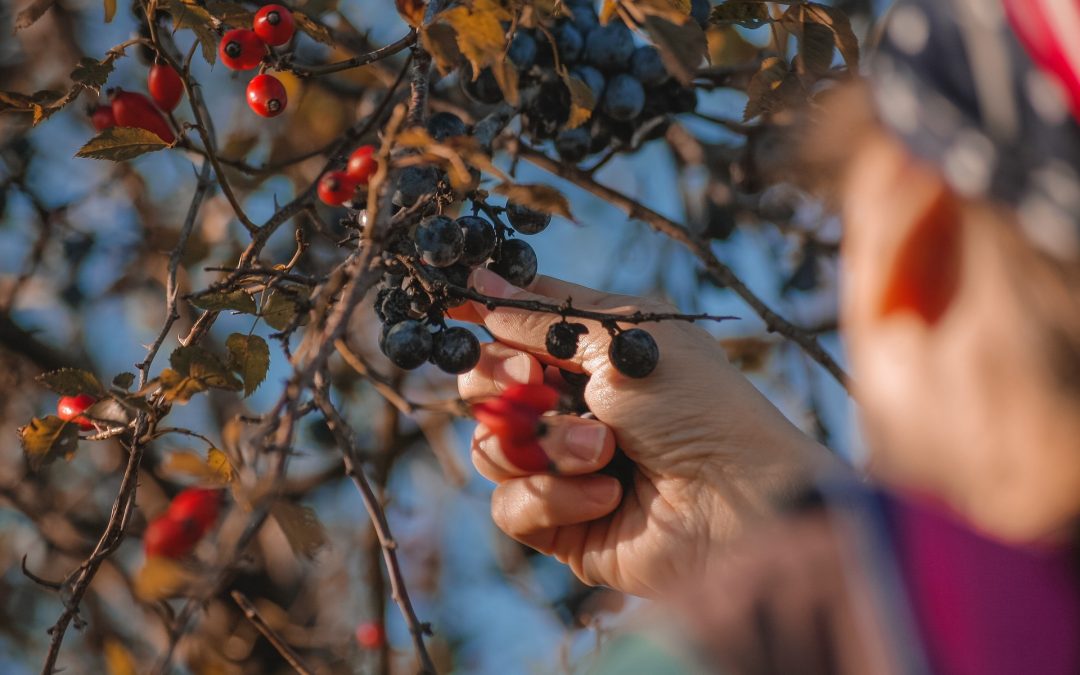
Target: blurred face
point(956, 400)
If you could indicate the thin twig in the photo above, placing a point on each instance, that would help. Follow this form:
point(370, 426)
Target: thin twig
point(362, 60)
point(270, 634)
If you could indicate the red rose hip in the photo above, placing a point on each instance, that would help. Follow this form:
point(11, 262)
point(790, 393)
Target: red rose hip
point(266, 95)
point(71, 409)
point(336, 188)
point(241, 49)
point(102, 118)
point(362, 164)
point(274, 25)
point(370, 635)
point(135, 110)
point(165, 86)
point(200, 507)
point(169, 538)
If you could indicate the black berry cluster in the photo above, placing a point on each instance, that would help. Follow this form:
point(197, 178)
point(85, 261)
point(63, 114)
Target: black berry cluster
point(633, 93)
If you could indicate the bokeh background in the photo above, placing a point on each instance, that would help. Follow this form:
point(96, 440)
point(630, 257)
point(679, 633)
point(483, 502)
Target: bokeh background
point(83, 248)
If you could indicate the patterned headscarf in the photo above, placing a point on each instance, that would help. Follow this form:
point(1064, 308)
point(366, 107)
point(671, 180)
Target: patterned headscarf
point(989, 91)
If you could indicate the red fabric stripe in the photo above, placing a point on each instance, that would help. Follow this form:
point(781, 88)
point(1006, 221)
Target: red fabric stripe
point(1031, 19)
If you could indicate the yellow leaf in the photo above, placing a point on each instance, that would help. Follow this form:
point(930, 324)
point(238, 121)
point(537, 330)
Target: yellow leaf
point(215, 470)
point(582, 101)
point(110, 10)
point(45, 439)
point(118, 660)
point(161, 578)
point(480, 35)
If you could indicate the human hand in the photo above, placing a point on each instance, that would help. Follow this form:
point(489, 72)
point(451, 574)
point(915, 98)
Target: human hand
point(711, 455)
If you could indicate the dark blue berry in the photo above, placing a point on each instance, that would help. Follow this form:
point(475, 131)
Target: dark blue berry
point(591, 77)
point(610, 47)
point(624, 98)
point(585, 18)
point(455, 350)
point(392, 305)
point(526, 220)
point(573, 144)
point(522, 52)
point(516, 262)
point(634, 353)
point(569, 41)
point(439, 240)
point(443, 125)
point(484, 89)
point(413, 183)
point(700, 10)
point(480, 240)
point(408, 344)
point(647, 66)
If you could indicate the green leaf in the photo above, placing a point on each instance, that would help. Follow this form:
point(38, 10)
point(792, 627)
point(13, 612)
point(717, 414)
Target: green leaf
point(121, 143)
point(220, 301)
point(92, 73)
point(71, 382)
point(124, 380)
point(279, 310)
point(45, 439)
point(249, 357)
point(318, 32)
point(302, 527)
point(748, 13)
point(840, 25)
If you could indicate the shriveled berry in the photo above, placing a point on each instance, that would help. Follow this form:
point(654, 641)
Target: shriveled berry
point(102, 118)
point(165, 86)
point(274, 25)
point(562, 339)
point(444, 125)
point(336, 188)
point(479, 240)
point(394, 306)
point(362, 164)
point(408, 344)
point(135, 110)
point(634, 353)
point(241, 49)
point(71, 409)
point(624, 98)
point(516, 262)
point(573, 144)
point(266, 95)
point(455, 350)
point(526, 220)
point(440, 241)
point(455, 275)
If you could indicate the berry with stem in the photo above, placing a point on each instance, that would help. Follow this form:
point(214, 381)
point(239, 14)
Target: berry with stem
point(266, 95)
point(165, 86)
point(241, 49)
point(335, 188)
point(634, 353)
point(562, 339)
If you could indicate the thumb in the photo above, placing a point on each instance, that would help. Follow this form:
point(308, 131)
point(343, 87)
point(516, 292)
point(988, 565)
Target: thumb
point(527, 329)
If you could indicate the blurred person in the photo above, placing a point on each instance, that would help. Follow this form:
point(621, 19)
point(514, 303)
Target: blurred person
point(960, 194)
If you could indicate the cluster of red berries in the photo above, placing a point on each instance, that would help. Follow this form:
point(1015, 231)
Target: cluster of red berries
point(132, 109)
point(189, 517)
point(71, 409)
point(244, 49)
point(514, 418)
point(337, 187)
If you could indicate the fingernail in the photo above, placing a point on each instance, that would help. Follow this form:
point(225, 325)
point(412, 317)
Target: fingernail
point(586, 441)
point(519, 368)
point(601, 491)
point(489, 283)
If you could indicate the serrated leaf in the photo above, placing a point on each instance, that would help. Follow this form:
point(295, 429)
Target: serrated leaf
point(215, 470)
point(318, 32)
point(682, 46)
point(160, 578)
point(124, 380)
point(71, 382)
point(478, 29)
point(840, 25)
point(762, 96)
point(46, 439)
point(92, 73)
point(221, 301)
point(188, 14)
point(110, 10)
point(194, 370)
point(179, 388)
point(582, 101)
point(301, 526)
point(279, 310)
point(249, 357)
point(537, 197)
point(747, 13)
point(230, 13)
point(121, 143)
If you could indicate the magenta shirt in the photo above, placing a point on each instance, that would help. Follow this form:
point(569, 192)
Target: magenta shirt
point(984, 608)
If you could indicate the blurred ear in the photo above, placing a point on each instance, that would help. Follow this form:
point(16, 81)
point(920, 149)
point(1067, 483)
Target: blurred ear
point(925, 273)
